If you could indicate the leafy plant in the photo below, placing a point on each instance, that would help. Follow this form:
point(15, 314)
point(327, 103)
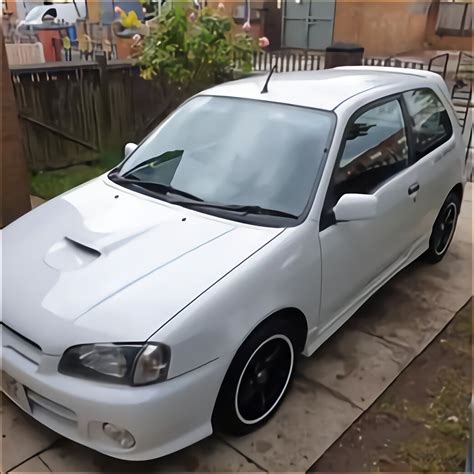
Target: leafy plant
point(195, 49)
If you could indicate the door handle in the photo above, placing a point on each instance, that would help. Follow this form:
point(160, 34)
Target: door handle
point(413, 189)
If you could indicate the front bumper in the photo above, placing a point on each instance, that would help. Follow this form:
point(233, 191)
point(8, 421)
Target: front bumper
point(163, 418)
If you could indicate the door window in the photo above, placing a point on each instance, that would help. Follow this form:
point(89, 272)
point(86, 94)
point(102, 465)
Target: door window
point(375, 150)
point(430, 121)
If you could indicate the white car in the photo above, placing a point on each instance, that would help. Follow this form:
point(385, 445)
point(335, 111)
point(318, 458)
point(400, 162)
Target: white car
point(173, 295)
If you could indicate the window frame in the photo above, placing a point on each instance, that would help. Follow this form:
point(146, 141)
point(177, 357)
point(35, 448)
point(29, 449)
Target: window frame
point(464, 29)
point(411, 126)
point(327, 218)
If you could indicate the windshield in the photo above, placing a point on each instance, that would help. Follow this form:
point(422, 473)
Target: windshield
point(236, 152)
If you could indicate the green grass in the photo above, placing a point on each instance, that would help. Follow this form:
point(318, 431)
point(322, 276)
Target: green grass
point(49, 184)
point(444, 413)
point(434, 455)
point(447, 419)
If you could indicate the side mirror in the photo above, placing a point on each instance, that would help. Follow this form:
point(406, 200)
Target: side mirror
point(129, 149)
point(356, 207)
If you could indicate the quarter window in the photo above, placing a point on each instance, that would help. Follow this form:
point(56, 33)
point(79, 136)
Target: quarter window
point(430, 121)
point(375, 149)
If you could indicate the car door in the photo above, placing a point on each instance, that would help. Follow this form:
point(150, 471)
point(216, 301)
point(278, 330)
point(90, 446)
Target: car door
point(356, 255)
point(432, 143)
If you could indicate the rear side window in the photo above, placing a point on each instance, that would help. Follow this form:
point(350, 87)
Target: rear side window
point(430, 121)
point(375, 149)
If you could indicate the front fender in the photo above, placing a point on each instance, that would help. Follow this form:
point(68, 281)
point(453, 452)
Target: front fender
point(286, 273)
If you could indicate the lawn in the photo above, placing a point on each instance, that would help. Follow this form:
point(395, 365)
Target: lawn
point(49, 184)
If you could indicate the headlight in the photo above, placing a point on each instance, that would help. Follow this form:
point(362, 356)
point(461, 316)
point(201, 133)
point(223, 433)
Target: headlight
point(131, 364)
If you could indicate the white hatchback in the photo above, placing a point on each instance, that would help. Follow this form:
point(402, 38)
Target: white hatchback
point(172, 296)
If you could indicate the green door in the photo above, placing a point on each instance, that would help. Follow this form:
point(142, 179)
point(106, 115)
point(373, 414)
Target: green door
point(308, 24)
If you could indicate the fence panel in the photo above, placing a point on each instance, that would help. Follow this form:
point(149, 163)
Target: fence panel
point(72, 112)
point(368, 61)
point(135, 105)
point(59, 115)
point(396, 62)
point(24, 53)
point(286, 61)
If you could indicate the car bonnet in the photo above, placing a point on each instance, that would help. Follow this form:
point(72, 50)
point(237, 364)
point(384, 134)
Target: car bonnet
point(63, 261)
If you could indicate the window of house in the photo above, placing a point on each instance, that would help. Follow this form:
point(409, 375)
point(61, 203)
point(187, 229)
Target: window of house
point(375, 150)
point(430, 120)
point(455, 18)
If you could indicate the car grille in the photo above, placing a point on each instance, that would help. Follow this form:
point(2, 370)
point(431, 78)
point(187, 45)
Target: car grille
point(42, 407)
point(21, 345)
point(48, 412)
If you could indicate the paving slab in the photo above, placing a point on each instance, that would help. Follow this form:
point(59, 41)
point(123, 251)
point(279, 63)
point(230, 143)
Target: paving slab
point(466, 210)
point(33, 465)
point(356, 365)
point(446, 285)
point(210, 455)
point(22, 436)
point(465, 227)
point(398, 316)
point(392, 328)
point(308, 422)
point(468, 192)
point(464, 232)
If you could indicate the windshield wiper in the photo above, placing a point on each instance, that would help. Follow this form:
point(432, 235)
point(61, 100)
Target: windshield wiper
point(240, 209)
point(155, 161)
point(159, 188)
point(197, 202)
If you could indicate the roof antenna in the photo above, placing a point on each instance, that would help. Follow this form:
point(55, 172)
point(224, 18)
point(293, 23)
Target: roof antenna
point(265, 87)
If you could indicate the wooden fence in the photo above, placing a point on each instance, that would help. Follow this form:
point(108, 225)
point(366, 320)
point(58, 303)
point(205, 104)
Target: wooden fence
point(72, 112)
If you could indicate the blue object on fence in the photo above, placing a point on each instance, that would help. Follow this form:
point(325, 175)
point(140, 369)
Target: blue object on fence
point(71, 32)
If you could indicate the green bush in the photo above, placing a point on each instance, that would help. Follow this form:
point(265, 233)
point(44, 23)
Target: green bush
point(195, 49)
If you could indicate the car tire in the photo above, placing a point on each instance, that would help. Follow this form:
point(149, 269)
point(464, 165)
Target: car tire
point(443, 229)
point(258, 379)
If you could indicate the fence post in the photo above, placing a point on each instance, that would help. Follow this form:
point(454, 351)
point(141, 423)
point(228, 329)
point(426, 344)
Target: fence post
point(14, 192)
point(104, 117)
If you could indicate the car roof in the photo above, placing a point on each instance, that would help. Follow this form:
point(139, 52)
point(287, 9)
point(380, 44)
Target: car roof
point(325, 89)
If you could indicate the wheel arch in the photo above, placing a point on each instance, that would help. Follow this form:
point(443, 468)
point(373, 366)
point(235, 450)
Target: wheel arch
point(290, 315)
point(458, 191)
point(293, 316)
